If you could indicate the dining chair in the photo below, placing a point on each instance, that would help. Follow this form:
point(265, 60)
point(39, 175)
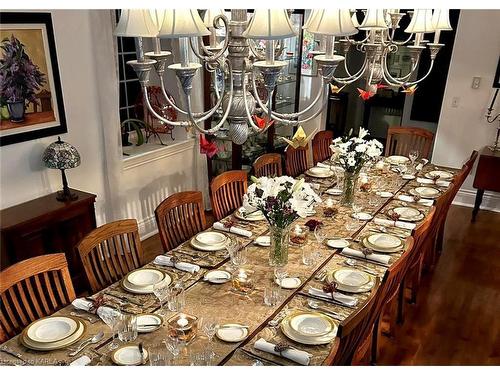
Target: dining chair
point(296, 160)
point(268, 165)
point(32, 289)
point(110, 251)
point(403, 139)
point(226, 192)
point(179, 217)
point(353, 331)
point(321, 146)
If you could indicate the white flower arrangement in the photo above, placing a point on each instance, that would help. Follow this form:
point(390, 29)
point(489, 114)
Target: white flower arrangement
point(352, 153)
point(280, 199)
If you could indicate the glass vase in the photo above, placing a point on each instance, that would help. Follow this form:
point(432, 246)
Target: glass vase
point(349, 188)
point(278, 252)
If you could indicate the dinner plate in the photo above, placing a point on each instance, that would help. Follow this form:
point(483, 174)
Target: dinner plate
point(211, 238)
point(307, 340)
point(377, 249)
point(51, 329)
point(217, 277)
point(397, 159)
point(348, 281)
point(384, 241)
point(232, 332)
point(338, 243)
point(263, 241)
point(146, 289)
point(425, 192)
point(407, 213)
point(311, 324)
point(64, 343)
point(254, 216)
point(362, 216)
point(200, 246)
point(148, 319)
point(145, 277)
point(289, 282)
point(334, 191)
point(128, 355)
point(319, 172)
point(444, 175)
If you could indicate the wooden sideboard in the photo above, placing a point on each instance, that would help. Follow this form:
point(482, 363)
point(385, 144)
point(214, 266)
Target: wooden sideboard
point(486, 177)
point(45, 225)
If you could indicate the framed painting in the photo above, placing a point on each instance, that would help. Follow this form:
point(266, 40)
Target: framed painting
point(31, 99)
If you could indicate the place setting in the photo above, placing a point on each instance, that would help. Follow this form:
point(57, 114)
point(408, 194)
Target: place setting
point(405, 213)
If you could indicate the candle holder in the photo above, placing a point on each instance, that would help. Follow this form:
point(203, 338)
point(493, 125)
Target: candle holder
point(183, 326)
point(298, 235)
point(491, 118)
point(241, 281)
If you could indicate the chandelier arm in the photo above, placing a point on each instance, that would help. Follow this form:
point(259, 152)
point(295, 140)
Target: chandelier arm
point(355, 43)
point(399, 43)
point(406, 83)
point(355, 77)
point(259, 55)
point(159, 117)
point(385, 71)
point(210, 56)
point(216, 88)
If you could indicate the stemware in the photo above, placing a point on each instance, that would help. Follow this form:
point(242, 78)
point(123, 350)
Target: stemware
point(320, 233)
point(271, 293)
point(209, 327)
point(173, 345)
point(280, 273)
point(160, 290)
point(127, 327)
point(237, 253)
point(413, 155)
point(112, 321)
point(175, 296)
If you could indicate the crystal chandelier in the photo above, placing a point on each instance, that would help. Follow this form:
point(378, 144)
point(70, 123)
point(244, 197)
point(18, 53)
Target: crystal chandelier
point(242, 63)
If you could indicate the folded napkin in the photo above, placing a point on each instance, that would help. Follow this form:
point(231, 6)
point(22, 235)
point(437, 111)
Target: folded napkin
point(358, 254)
point(165, 260)
point(442, 183)
point(299, 356)
point(314, 185)
point(422, 201)
point(106, 313)
point(384, 194)
point(342, 298)
point(392, 223)
point(84, 360)
point(240, 231)
point(421, 164)
point(322, 165)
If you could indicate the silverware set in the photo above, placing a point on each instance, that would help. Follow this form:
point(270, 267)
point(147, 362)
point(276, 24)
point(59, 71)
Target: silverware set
point(92, 340)
point(86, 317)
point(316, 306)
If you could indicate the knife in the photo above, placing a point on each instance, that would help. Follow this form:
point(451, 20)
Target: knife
point(141, 350)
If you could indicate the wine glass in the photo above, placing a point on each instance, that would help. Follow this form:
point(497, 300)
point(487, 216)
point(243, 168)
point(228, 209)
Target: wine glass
point(356, 209)
point(280, 273)
point(320, 234)
point(112, 319)
point(160, 290)
point(173, 345)
point(413, 156)
point(209, 327)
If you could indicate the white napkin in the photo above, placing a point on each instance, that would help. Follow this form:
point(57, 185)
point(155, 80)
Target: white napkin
point(384, 194)
point(84, 360)
point(421, 165)
point(240, 231)
point(165, 260)
point(322, 165)
point(104, 312)
point(342, 298)
point(299, 356)
point(358, 254)
point(442, 183)
point(398, 224)
point(314, 185)
point(422, 201)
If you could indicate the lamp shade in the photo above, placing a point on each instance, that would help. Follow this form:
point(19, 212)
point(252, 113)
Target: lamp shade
point(421, 22)
point(269, 24)
point(336, 22)
point(441, 19)
point(61, 155)
point(179, 23)
point(374, 20)
point(313, 14)
point(136, 23)
point(210, 14)
point(354, 18)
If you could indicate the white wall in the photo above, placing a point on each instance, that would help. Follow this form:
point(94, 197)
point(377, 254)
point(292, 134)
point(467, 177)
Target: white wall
point(141, 185)
point(463, 129)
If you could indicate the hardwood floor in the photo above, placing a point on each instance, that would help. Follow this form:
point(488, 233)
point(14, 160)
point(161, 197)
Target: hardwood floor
point(456, 320)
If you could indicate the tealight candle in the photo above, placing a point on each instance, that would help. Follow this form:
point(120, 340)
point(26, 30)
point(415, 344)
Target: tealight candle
point(241, 282)
point(329, 202)
point(297, 229)
point(182, 322)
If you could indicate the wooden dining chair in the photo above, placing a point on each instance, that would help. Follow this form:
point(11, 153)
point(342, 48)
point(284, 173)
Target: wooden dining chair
point(403, 139)
point(226, 192)
point(296, 160)
point(111, 251)
point(321, 146)
point(353, 331)
point(32, 289)
point(180, 217)
point(267, 165)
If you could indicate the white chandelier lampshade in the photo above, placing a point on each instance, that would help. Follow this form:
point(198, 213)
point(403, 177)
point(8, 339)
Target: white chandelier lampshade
point(269, 24)
point(354, 18)
point(313, 14)
point(336, 22)
point(180, 23)
point(157, 16)
point(441, 19)
point(210, 14)
point(421, 22)
point(136, 23)
point(374, 20)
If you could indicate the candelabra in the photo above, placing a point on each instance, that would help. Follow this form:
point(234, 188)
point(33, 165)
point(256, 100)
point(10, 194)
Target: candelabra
point(491, 118)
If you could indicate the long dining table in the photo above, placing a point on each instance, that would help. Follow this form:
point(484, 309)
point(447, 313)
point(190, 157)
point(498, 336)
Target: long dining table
point(219, 301)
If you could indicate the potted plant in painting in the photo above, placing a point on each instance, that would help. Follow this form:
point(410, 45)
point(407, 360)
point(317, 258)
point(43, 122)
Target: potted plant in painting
point(20, 78)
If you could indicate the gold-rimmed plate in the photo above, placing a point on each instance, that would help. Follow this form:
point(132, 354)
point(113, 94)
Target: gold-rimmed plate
point(200, 246)
point(384, 241)
point(51, 329)
point(148, 322)
point(128, 355)
point(443, 175)
point(241, 214)
point(319, 172)
point(294, 335)
point(351, 280)
point(425, 192)
point(397, 159)
point(406, 213)
point(378, 249)
point(167, 280)
point(25, 340)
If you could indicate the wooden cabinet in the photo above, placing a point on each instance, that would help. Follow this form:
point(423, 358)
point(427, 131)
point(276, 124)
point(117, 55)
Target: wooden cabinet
point(486, 178)
point(44, 226)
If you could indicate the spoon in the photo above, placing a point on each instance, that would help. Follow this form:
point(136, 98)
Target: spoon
point(354, 263)
point(98, 337)
point(90, 319)
point(315, 305)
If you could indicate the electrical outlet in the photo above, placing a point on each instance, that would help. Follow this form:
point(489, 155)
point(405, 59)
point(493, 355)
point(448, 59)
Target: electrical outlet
point(476, 81)
point(455, 101)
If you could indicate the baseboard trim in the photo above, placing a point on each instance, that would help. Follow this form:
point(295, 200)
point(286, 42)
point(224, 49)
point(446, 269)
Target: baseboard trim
point(467, 197)
point(147, 227)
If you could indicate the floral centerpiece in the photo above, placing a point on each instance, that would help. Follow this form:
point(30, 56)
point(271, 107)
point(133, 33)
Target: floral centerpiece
point(20, 78)
point(281, 200)
point(352, 153)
